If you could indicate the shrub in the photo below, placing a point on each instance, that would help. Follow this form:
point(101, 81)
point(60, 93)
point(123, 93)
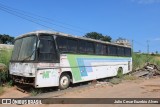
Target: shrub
point(35, 92)
point(5, 56)
point(139, 60)
point(3, 73)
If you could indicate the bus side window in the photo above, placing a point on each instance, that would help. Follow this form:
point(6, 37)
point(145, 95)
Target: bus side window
point(85, 47)
point(100, 49)
point(120, 51)
point(72, 46)
point(47, 50)
point(62, 44)
point(127, 52)
point(89, 48)
point(112, 50)
point(82, 46)
point(106, 50)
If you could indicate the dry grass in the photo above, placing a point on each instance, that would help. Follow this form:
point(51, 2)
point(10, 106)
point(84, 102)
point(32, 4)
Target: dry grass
point(1, 90)
point(129, 77)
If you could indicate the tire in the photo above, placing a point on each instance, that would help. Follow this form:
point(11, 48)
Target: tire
point(64, 81)
point(120, 72)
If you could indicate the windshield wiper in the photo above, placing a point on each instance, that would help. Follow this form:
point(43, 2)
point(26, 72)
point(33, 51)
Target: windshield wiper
point(28, 56)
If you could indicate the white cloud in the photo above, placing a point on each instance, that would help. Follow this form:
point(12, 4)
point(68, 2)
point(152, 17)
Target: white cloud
point(146, 1)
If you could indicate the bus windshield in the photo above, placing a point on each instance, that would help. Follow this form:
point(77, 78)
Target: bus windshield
point(24, 48)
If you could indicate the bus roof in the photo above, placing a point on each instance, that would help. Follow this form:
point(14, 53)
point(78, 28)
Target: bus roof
point(71, 36)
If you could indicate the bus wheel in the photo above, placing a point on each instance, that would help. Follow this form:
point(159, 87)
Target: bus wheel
point(120, 72)
point(64, 81)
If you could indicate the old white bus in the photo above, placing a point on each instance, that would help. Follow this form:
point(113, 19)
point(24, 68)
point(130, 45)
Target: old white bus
point(49, 59)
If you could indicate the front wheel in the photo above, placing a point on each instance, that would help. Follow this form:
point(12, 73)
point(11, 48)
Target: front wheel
point(64, 81)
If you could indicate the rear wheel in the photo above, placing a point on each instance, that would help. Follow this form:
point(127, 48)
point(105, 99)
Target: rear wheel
point(120, 72)
point(64, 81)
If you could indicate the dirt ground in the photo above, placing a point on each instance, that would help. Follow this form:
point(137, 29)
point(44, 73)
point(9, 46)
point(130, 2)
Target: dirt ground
point(140, 88)
point(12, 92)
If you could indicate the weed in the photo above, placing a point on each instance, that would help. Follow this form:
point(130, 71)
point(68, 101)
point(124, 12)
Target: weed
point(3, 77)
point(35, 92)
point(139, 60)
point(9, 83)
point(129, 77)
point(5, 55)
point(115, 80)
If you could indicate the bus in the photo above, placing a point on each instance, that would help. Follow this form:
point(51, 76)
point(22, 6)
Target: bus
point(53, 59)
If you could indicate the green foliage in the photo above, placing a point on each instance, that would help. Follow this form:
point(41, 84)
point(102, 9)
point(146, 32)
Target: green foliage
point(139, 60)
point(115, 80)
point(9, 83)
point(157, 62)
point(129, 77)
point(3, 77)
point(5, 56)
point(35, 92)
point(98, 36)
point(6, 39)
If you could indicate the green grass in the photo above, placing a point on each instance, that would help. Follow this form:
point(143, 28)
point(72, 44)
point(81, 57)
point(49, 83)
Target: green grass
point(139, 60)
point(9, 83)
point(115, 80)
point(35, 92)
point(129, 77)
point(5, 56)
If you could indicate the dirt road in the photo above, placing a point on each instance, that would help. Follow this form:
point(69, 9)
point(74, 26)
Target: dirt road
point(140, 88)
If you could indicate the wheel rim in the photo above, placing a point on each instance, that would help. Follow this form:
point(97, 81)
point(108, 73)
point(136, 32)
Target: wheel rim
point(64, 81)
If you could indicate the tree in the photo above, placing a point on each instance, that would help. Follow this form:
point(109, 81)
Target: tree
point(6, 39)
point(98, 36)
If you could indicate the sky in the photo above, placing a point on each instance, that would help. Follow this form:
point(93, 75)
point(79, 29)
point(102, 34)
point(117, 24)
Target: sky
point(135, 20)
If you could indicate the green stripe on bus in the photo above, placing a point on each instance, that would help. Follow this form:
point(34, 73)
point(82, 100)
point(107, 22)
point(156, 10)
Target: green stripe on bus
point(73, 64)
point(95, 56)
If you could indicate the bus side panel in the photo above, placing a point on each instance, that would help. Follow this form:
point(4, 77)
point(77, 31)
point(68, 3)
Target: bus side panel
point(47, 78)
point(90, 67)
point(108, 69)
